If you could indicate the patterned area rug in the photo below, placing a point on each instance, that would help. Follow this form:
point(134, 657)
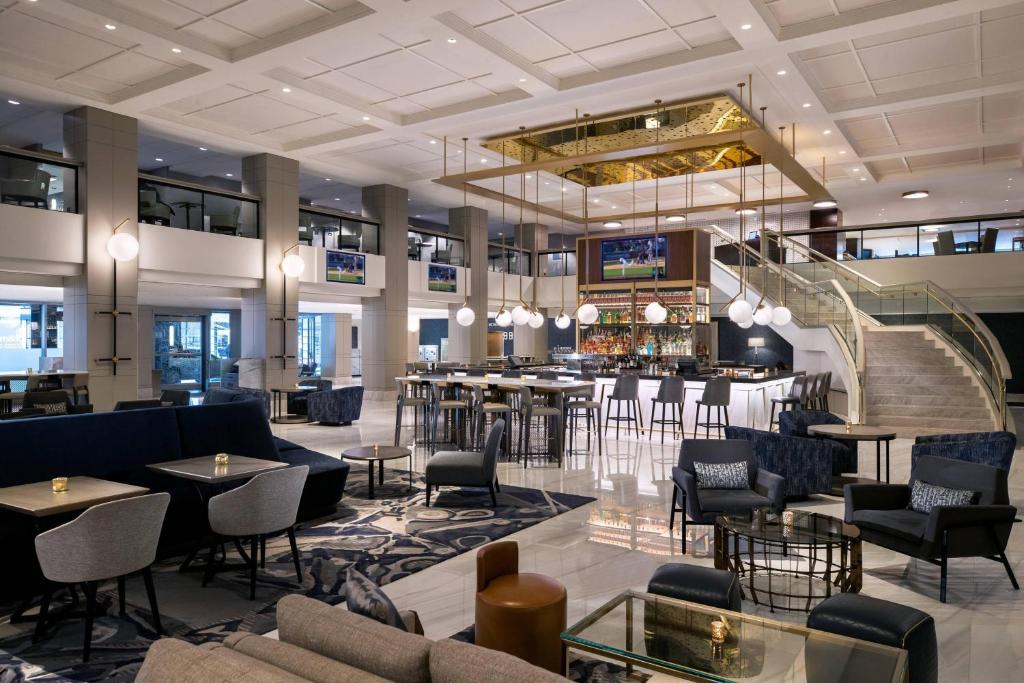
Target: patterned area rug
point(386, 539)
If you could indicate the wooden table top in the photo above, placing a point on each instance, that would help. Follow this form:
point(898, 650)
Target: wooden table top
point(855, 433)
point(205, 469)
point(39, 500)
point(381, 453)
point(552, 385)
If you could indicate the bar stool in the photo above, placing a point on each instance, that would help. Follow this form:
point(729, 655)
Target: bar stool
point(409, 400)
point(671, 392)
point(627, 388)
point(548, 414)
point(482, 408)
point(717, 392)
point(811, 397)
point(826, 386)
point(582, 404)
point(792, 400)
point(454, 410)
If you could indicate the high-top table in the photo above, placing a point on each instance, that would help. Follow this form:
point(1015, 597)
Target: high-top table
point(860, 433)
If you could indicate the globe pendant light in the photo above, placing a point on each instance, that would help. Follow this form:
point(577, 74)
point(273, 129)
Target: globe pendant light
point(522, 312)
point(292, 265)
point(763, 314)
point(586, 313)
point(536, 320)
point(562, 321)
point(781, 315)
point(763, 311)
point(739, 309)
point(465, 315)
point(746, 324)
point(520, 315)
point(503, 318)
point(655, 312)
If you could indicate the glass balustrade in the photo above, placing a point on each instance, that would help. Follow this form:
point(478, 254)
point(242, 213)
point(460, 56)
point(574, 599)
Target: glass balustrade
point(38, 181)
point(190, 207)
point(335, 231)
point(436, 247)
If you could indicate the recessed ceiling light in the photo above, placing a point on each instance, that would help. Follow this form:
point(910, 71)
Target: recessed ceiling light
point(614, 207)
point(14, 102)
point(826, 204)
point(746, 27)
point(596, 201)
point(337, 199)
point(483, 161)
point(452, 41)
point(433, 142)
point(806, 105)
point(918, 194)
point(528, 176)
point(109, 27)
point(416, 216)
point(158, 159)
point(366, 118)
point(202, 149)
point(522, 80)
point(286, 89)
point(565, 189)
point(746, 211)
point(675, 219)
point(842, 151)
point(176, 50)
point(612, 224)
point(863, 180)
point(780, 72)
point(856, 170)
point(327, 179)
point(826, 132)
point(230, 175)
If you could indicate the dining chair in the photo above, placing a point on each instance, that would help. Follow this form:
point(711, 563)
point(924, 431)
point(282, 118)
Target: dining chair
point(266, 505)
point(468, 468)
point(550, 417)
point(671, 392)
point(581, 403)
point(107, 541)
point(626, 390)
point(407, 398)
point(794, 398)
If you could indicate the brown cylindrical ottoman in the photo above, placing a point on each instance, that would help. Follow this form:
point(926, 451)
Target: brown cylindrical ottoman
point(520, 614)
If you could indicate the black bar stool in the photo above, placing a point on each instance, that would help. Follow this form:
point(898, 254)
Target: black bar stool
point(811, 397)
point(826, 386)
point(626, 389)
point(582, 404)
point(481, 410)
point(717, 392)
point(406, 399)
point(551, 419)
point(455, 411)
point(671, 392)
point(793, 399)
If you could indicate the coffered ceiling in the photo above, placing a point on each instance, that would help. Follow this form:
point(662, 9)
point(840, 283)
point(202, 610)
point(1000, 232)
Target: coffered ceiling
point(896, 94)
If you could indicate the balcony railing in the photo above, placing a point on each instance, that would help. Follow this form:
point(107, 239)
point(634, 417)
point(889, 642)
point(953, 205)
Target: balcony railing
point(436, 247)
point(179, 204)
point(508, 259)
point(38, 180)
point(338, 230)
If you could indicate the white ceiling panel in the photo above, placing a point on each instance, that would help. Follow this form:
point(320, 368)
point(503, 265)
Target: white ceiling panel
point(400, 106)
point(1003, 111)
point(632, 49)
point(360, 47)
point(790, 12)
point(354, 86)
point(305, 129)
point(583, 24)
point(218, 33)
point(173, 14)
point(205, 7)
point(394, 155)
point(675, 13)
point(401, 73)
point(64, 49)
point(950, 74)
point(449, 94)
point(927, 53)
point(566, 65)
point(525, 39)
point(463, 58)
point(704, 32)
point(128, 68)
point(834, 70)
point(265, 17)
point(254, 113)
point(210, 98)
point(483, 11)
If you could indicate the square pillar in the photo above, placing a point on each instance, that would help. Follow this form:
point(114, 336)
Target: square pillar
point(270, 313)
point(107, 144)
point(469, 344)
point(336, 345)
point(385, 317)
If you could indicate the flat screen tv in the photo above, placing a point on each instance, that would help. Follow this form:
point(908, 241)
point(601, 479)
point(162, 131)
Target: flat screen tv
point(441, 278)
point(633, 258)
point(346, 267)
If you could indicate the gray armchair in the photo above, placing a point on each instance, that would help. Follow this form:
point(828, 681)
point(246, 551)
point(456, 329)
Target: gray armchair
point(704, 505)
point(884, 517)
point(267, 504)
point(467, 468)
point(225, 223)
point(152, 209)
point(28, 184)
point(110, 540)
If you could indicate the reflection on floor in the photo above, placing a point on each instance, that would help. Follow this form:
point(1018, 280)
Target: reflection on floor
point(616, 543)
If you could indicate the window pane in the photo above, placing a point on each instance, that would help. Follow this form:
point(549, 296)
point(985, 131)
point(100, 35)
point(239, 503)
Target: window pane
point(889, 243)
point(1004, 235)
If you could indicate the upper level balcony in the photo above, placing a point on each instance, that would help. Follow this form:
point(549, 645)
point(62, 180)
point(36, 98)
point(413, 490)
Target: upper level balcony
point(38, 180)
point(180, 204)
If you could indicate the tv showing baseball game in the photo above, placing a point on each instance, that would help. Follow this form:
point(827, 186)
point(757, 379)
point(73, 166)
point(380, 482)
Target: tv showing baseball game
point(633, 258)
point(441, 278)
point(343, 266)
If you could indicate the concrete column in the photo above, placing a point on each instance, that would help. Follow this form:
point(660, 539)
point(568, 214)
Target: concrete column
point(469, 344)
point(535, 236)
point(527, 341)
point(270, 313)
point(107, 143)
point(235, 341)
point(385, 317)
point(336, 345)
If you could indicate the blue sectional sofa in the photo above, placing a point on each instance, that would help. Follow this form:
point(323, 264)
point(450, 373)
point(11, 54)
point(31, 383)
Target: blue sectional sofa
point(987, 448)
point(805, 464)
point(118, 446)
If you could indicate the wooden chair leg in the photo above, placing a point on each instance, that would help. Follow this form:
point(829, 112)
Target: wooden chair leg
point(295, 553)
point(147, 578)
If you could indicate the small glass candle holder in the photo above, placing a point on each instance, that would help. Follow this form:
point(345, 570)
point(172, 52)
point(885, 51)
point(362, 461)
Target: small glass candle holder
point(718, 632)
point(849, 426)
point(222, 459)
point(788, 518)
point(376, 450)
point(60, 484)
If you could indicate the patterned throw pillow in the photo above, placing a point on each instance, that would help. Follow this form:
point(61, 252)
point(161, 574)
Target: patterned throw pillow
point(364, 597)
point(721, 475)
point(52, 408)
point(925, 496)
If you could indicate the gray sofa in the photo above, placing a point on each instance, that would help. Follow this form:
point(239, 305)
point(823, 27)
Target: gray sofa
point(323, 643)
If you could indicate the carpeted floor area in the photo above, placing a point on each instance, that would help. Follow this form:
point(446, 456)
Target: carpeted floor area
point(386, 539)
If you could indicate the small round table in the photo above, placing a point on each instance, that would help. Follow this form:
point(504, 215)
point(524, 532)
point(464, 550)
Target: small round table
point(860, 433)
point(372, 454)
point(282, 416)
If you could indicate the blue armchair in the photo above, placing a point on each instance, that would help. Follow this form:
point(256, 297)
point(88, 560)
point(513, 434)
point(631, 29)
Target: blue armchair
point(335, 407)
point(987, 448)
point(703, 505)
point(844, 451)
point(297, 402)
point(805, 464)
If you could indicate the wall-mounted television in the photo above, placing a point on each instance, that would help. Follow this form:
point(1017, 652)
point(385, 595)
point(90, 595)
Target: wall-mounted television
point(441, 278)
point(633, 258)
point(346, 267)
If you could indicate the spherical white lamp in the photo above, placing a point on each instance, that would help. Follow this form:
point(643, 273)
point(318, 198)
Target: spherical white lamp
point(740, 311)
point(562, 321)
point(781, 316)
point(520, 315)
point(763, 315)
point(414, 323)
point(503, 318)
point(293, 265)
point(536, 320)
point(746, 324)
point(123, 246)
point(587, 314)
point(465, 316)
point(655, 313)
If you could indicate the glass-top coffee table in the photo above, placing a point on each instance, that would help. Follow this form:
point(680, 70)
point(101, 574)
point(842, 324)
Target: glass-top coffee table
point(792, 560)
point(699, 643)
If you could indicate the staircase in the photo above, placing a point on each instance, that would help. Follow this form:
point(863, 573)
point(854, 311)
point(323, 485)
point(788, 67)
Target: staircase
point(913, 385)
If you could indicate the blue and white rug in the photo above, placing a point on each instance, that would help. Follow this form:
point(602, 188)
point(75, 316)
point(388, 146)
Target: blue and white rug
point(386, 539)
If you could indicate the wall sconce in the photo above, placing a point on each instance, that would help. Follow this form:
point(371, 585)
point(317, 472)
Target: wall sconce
point(292, 265)
point(122, 246)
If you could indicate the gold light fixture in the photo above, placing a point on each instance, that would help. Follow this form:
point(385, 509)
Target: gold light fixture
point(824, 203)
point(562, 321)
point(465, 315)
point(522, 312)
point(586, 312)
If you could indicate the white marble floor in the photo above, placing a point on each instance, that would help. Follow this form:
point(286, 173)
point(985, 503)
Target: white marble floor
point(616, 543)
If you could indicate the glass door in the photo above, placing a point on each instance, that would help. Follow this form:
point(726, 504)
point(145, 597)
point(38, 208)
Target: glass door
point(179, 349)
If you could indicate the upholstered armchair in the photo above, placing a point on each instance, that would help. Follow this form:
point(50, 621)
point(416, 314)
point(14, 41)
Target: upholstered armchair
point(762, 489)
point(297, 402)
point(468, 468)
point(806, 464)
point(987, 448)
point(844, 451)
point(27, 184)
point(335, 407)
point(980, 528)
point(225, 223)
point(56, 402)
point(152, 209)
